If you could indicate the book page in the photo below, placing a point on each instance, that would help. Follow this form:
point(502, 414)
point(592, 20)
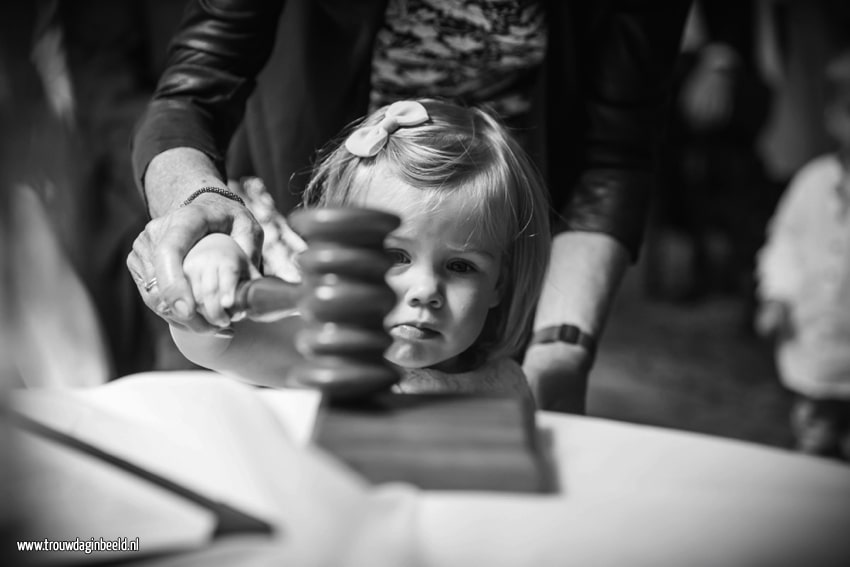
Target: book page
point(296, 409)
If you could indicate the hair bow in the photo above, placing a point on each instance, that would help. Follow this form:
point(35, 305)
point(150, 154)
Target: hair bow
point(368, 140)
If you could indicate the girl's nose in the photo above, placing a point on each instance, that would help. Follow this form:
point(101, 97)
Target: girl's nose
point(425, 291)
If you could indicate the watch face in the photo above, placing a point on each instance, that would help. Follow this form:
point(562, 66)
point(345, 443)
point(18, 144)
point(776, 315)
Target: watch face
point(569, 334)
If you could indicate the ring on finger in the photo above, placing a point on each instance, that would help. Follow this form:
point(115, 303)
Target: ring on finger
point(150, 284)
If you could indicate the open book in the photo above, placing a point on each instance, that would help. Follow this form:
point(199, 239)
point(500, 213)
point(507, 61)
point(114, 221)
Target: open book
point(179, 459)
point(175, 461)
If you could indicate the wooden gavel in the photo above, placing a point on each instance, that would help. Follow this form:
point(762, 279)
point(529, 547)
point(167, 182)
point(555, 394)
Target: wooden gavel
point(343, 299)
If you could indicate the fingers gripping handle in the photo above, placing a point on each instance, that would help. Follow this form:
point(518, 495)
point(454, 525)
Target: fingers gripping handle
point(265, 299)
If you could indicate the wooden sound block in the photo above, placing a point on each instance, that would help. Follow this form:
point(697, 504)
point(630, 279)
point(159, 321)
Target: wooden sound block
point(440, 441)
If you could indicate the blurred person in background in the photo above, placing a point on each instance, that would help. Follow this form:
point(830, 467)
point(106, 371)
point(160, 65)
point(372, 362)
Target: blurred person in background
point(804, 36)
point(54, 333)
point(76, 76)
point(715, 196)
point(24, 118)
point(82, 72)
point(804, 284)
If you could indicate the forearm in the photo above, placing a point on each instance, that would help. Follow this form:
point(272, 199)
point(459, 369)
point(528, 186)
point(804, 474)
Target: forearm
point(584, 274)
point(625, 74)
point(260, 353)
point(175, 174)
point(200, 99)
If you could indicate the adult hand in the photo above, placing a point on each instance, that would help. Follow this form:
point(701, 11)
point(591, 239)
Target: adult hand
point(156, 260)
point(558, 374)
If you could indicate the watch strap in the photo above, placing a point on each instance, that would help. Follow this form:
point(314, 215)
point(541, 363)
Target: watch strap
point(569, 334)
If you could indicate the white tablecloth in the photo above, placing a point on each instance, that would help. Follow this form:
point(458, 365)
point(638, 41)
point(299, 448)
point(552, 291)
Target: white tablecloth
point(630, 495)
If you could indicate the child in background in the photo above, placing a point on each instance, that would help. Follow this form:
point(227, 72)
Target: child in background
point(804, 276)
point(469, 256)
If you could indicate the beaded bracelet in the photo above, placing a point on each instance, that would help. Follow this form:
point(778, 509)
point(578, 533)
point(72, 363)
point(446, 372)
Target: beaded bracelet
point(218, 190)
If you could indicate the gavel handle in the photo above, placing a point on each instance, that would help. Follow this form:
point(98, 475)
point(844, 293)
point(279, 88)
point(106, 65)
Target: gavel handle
point(265, 299)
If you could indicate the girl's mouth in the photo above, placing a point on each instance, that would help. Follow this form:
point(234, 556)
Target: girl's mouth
point(412, 332)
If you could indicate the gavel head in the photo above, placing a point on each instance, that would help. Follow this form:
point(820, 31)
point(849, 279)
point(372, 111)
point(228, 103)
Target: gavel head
point(344, 301)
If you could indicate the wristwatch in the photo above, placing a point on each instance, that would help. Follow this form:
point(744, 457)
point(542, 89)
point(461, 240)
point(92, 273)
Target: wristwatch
point(569, 334)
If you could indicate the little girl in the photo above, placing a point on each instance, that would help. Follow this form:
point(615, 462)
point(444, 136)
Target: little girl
point(469, 256)
point(804, 283)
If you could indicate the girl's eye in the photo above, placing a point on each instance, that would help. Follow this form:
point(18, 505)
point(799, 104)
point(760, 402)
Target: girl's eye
point(461, 266)
point(398, 256)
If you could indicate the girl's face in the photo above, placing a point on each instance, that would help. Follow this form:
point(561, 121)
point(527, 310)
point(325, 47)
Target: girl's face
point(444, 277)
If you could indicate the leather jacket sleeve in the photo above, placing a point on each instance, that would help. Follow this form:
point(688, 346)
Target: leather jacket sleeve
point(619, 62)
point(212, 65)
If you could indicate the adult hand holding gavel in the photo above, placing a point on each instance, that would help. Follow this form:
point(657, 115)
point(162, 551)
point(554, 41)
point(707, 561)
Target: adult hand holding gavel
point(342, 297)
point(156, 260)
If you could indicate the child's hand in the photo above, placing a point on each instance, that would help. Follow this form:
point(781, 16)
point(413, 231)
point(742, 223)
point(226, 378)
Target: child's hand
point(773, 320)
point(214, 267)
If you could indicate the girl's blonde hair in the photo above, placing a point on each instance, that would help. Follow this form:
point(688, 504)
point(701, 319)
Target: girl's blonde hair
point(461, 150)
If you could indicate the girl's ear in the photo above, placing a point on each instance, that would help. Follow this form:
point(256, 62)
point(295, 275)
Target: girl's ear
point(498, 292)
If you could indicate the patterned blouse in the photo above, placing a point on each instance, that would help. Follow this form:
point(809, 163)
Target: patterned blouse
point(502, 376)
point(471, 51)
